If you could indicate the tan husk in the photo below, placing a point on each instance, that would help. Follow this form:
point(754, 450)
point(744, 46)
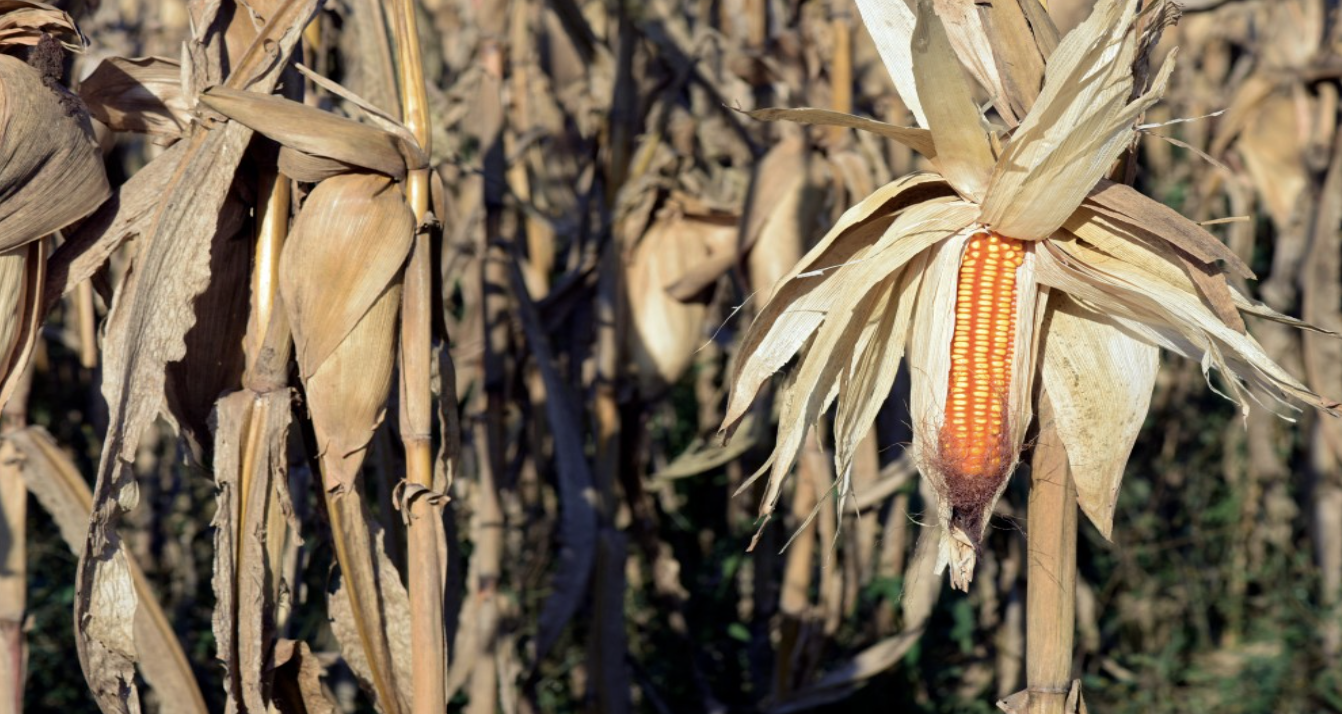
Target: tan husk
point(139, 94)
point(347, 245)
point(318, 133)
point(666, 332)
point(23, 22)
point(48, 151)
point(964, 155)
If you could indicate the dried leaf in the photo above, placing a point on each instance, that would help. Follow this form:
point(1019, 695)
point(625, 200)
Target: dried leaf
point(126, 214)
point(1081, 122)
point(146, 331)
point(786, 322)
point(920, 140)
point(964, 156)
point(578, 518)
point(23, 22)
point(251, 462)
point(369, 608)
point(1155, 222)
point(297, 676)
point(139, 94)
point(891, 25)
point(665, 331)
point(49, 151)
point(22, 279)
point(312, 131)
point(1100, 381)
point(55, 481)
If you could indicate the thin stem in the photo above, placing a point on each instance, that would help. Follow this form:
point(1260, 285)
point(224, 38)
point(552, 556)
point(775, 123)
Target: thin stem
point(1051, 584)
point(426, 544)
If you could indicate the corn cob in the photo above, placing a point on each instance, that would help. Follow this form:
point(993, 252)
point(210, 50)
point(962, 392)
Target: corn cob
point(973, 439)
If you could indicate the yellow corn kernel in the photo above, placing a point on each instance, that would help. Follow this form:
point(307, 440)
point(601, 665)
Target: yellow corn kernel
point(981, 357)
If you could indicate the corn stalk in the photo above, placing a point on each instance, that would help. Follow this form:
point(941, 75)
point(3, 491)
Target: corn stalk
point(427, 540)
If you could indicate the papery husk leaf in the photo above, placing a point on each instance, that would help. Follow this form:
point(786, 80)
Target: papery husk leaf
point(349, 242)
point(796, 309)
point(783, 205)
point(56, 483)
point(138, 94)
point(891, 25)
point(1154, 222)
point(307, 168)
point(22, 279)
point(127, 213)
point(46, 152)
point(920, 140)
point(778, 208)
point(1273, 146)
point(146, 331)
point(1081, 122)
point(1164, 260)
point(319, 133)
point(863, 388)
point(1100, 379)
point(368, 606)
point(347, 393)
point(866, 284)
point(1173, 319)
point(246, 578)
point(999, 46)
point(665, 331)
point(964, 155)
point(23, 22)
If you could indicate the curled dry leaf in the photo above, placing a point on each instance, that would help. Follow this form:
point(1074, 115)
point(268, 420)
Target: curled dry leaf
point(146, 331)
point(22, 274)
point(56, 484)
point(666, 332)
point(247, 579)
point(49, 150)
point(312, 131)
point(23, 22)
point(139, 94)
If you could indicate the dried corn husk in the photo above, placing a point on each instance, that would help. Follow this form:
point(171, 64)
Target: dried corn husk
point(339, 278)
point(49, 151)
point(139, 94)
point(317, 133)
point(666, 331)
point(1092, 302)
point(23, 22)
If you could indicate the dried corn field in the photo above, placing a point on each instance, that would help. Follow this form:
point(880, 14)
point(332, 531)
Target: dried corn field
point(665, 356)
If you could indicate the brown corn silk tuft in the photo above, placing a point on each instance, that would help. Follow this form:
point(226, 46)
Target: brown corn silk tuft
point(974, 445)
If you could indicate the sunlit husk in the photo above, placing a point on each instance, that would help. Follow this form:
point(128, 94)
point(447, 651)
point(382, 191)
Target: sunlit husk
point(339, 278)
point(346, 246)
point(1084, 118)
point(47, 151)
point(666, 331)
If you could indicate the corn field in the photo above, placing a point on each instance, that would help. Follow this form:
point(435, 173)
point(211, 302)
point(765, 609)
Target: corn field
point(670, 356)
